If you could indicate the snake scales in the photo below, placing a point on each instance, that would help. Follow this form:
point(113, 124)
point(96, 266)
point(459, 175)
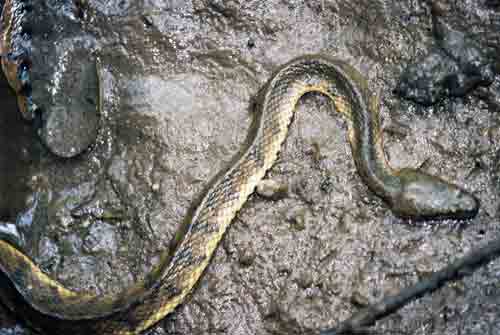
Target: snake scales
point(51, 308)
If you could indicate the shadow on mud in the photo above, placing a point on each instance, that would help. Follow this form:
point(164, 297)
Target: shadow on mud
point(17, 155)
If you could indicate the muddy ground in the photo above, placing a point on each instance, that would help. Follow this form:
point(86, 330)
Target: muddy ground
point(178, 78)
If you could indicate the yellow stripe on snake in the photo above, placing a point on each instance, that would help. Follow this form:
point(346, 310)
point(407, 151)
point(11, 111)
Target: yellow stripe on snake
point(49, 307)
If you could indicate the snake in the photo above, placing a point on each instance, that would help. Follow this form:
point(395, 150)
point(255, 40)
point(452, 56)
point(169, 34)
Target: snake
point(49, 307)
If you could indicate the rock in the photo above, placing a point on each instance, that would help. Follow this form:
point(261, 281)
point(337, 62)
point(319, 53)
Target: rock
point(70, 122)
point(455, 67)
point(272, 189)
point(424, 82)
point(49, 64)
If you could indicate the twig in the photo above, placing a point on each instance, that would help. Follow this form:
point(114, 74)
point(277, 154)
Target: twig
point(462, 267)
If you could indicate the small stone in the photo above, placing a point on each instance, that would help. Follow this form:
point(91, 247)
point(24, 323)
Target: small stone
point(305, 280)
point(298, 220)
point(359, 300)
point(326, 184)
point(246, 257)
point(251, 43)
point(86, 223)
point(272, 189)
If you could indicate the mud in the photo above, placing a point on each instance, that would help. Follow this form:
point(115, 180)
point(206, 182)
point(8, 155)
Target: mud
point(178, 80)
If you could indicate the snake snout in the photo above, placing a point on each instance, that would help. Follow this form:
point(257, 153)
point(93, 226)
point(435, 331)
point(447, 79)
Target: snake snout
point(424, 196)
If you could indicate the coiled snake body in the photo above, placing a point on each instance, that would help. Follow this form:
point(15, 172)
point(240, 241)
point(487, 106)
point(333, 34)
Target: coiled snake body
point(51, 308)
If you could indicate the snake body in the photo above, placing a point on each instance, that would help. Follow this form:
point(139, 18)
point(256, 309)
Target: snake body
point(49, 307)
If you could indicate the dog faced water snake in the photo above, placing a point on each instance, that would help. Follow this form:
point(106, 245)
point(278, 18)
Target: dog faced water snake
point(51, 308)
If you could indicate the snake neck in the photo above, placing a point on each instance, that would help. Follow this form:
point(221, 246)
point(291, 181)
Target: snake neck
point(365, 136)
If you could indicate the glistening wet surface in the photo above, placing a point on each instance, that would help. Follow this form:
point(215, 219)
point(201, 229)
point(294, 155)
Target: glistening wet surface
point(17, 157)
point(178, 79)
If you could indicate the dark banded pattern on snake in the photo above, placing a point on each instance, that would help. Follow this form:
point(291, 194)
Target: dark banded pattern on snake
point(48, 306)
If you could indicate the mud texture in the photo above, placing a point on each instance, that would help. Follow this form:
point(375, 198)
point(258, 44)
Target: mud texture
point(178, 79)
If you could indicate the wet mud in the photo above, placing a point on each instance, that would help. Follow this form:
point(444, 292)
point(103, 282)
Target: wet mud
point(178, 79)
point(17, 158)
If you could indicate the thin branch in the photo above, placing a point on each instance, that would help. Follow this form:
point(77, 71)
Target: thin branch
point(462, 267)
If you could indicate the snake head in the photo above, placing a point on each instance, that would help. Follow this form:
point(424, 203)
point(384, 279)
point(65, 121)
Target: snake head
point(423, 196)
